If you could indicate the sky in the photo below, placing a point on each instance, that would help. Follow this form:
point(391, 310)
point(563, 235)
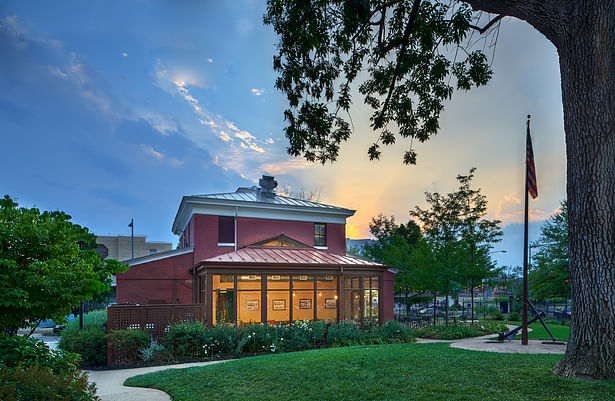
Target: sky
point(114, 110)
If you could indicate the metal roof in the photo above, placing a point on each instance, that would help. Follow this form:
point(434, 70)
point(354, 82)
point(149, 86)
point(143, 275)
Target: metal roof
point(252, 194)
point(287, 256)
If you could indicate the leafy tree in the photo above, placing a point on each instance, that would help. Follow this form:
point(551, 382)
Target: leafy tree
point(460, 236)
point(47, 265)
point(394, 246)
point(478, 234)
point(550, 274)
point(398, 50)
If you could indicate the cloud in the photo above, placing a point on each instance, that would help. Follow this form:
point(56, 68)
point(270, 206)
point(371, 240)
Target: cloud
point(257, 92)
point(510, 210)
point(150, 151)
point(285, 166)
point(124, 54)
point(147, 149)
point(210, 60)
point(160, 123)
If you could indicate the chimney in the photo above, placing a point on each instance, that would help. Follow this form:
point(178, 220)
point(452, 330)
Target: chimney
point(267, 184)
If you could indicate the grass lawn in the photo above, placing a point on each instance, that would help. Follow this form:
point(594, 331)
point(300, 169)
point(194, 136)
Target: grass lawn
point(538, 332)
point(378, 372)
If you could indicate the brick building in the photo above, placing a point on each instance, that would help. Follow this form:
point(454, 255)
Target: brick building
point(256, 256)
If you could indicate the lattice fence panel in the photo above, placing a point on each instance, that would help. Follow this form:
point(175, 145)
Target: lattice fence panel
point(154, 319)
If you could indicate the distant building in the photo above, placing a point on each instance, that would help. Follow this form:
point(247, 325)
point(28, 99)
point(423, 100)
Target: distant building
point(119, 247)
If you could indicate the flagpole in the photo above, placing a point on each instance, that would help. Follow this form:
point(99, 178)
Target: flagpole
point(525, 249)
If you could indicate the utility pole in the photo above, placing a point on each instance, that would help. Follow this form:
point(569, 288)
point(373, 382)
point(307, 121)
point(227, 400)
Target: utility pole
point(132, 238)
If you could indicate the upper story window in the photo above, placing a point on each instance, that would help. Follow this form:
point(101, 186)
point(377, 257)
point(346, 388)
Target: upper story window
point(320, 234)
point(226, 230)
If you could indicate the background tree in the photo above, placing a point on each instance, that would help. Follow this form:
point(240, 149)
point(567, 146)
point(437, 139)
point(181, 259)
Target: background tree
point(478, 234)
point(47, 265)
point(455, 227)
point(398, 49)
point(550, 274)
point(394, 246)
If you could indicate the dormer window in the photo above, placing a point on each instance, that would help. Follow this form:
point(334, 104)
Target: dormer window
point(320, 235)
point(226, 231)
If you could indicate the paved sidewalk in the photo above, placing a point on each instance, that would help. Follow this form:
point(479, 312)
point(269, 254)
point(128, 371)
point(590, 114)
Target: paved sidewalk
point(110, 383)
point(483, 343)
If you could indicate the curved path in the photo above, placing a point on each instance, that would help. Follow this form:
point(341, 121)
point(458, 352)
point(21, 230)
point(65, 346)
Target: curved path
point(483, 343)
point(110, 383)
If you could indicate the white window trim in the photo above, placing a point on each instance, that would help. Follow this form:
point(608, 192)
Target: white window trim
point(321, 247)
point(226, 244)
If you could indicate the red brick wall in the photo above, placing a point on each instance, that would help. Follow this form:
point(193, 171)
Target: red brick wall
point(204, 231)
point(165, 279)
point(387, 296)
point(251, 230)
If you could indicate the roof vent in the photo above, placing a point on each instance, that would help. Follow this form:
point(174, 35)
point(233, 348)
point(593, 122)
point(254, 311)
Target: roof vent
point(267, 184)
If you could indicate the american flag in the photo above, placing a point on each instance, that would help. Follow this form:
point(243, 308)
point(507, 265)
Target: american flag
point(529, 161)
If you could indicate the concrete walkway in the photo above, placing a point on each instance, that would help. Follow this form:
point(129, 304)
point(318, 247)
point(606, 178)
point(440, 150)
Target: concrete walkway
point(483, 343)
point(110, 383)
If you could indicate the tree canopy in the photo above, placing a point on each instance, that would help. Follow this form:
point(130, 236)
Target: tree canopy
point(406, 57)
point(47, 265)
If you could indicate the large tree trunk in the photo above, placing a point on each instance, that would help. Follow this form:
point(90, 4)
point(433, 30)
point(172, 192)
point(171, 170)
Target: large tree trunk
point(584, 34)
point(587, 64)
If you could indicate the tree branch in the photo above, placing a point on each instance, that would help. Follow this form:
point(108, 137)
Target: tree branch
point(486, 27)
point(405, 38)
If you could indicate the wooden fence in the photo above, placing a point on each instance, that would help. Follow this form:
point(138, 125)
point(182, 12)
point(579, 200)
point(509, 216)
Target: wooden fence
point(153, 319)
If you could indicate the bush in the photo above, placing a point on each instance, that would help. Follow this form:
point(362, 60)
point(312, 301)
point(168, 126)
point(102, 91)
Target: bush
point(155, 353)
point(90, 343)
point(96, 319)
point(299, 335)
point(129, 343)
point(40, 383)
point(454, 332)
point(514, 316)
point(345, 333)
point(16, 350)
point(259, 338)
point(394, 332)
point(186, 340)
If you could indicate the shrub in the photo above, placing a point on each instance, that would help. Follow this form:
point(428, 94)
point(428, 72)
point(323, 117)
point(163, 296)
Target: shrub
point(345, 333)
point(155, 353)
point(296, 336)
point(258, 338)
point(225, 339)
point(43, 384)
point(29, 352)
point(90, 343)
point(514, 316)
point(394, 332)
point(496, 316)
point(186, 340)
point(129, 343)
point(454, 332)
point(95, 319)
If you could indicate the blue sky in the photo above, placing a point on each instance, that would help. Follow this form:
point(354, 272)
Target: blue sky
point(114, 110)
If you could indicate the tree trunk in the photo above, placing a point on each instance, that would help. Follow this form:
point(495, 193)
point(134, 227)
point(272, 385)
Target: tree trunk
point(446, 304)
point(587, 64)
point(472, 292)
point(584, 33)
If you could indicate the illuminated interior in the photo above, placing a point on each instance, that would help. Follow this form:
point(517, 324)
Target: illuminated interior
point(277, 298)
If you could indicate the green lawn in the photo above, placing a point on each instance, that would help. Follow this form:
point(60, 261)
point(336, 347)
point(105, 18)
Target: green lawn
point(378, 372)
point(538, 332)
